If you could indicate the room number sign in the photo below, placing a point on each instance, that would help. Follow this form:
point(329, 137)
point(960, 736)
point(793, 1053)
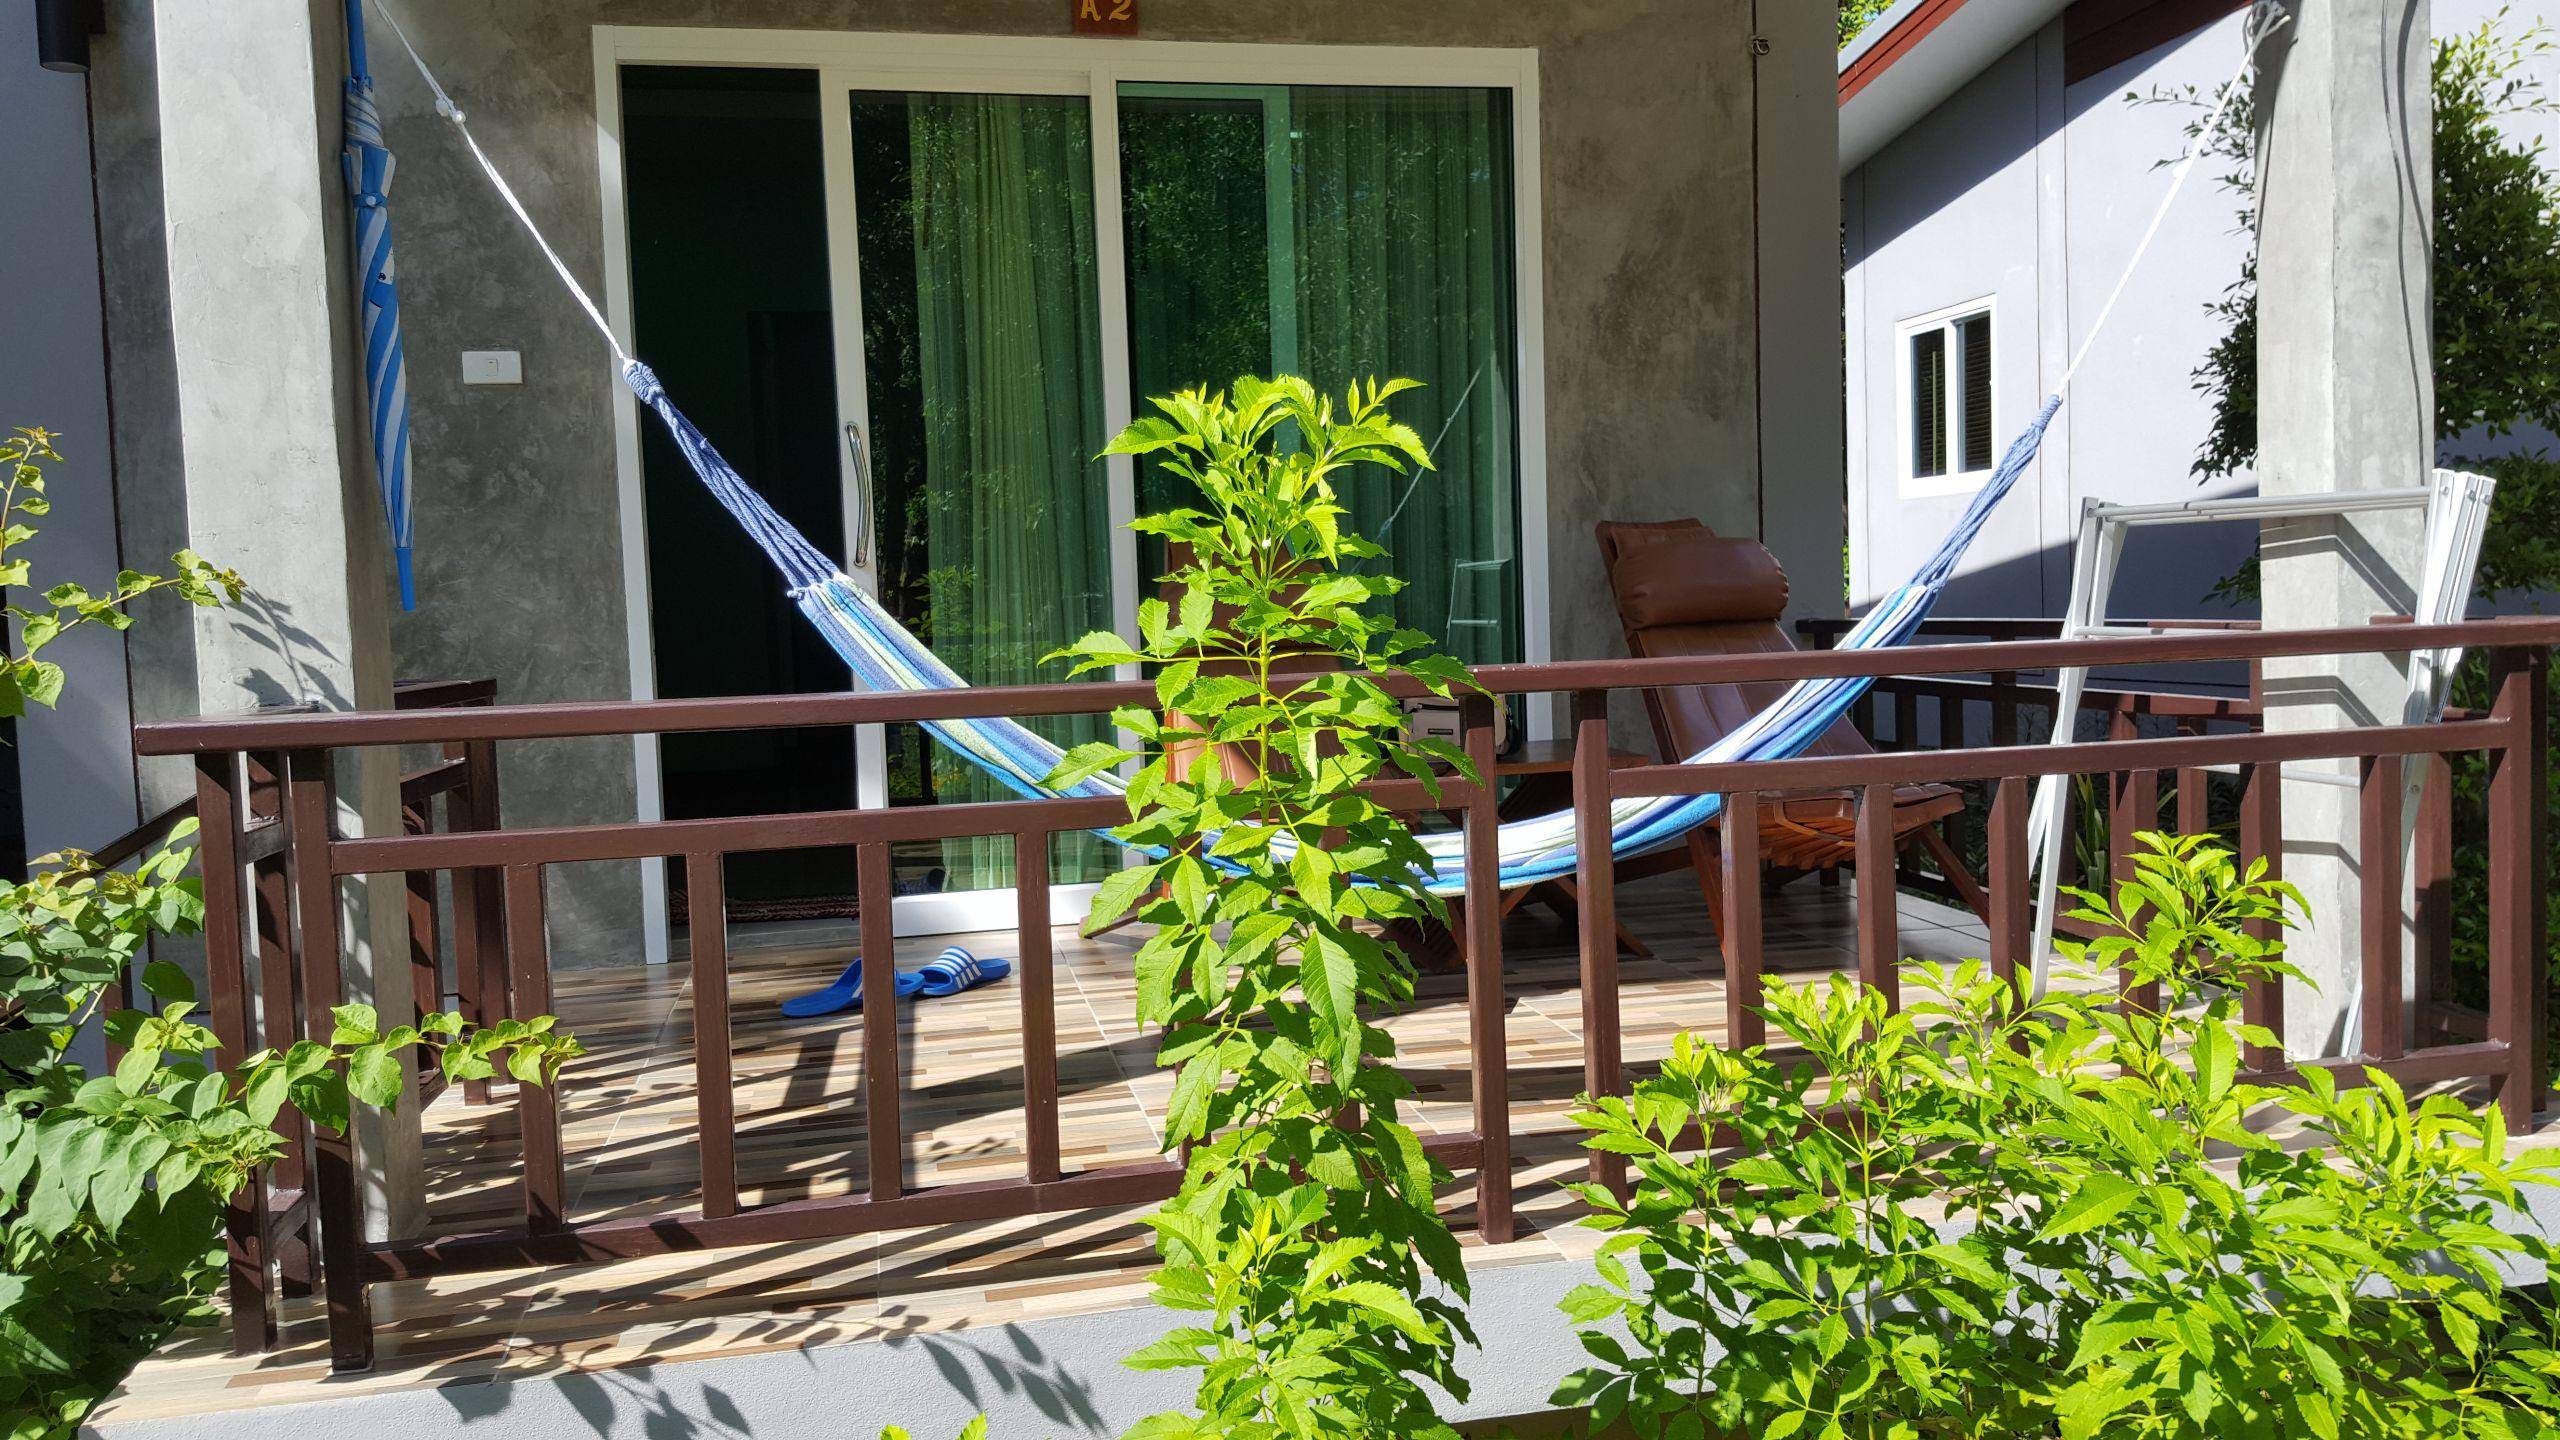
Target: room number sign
point(1104, 17)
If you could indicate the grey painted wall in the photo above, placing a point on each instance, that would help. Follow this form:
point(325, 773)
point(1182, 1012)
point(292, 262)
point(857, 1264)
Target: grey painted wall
point(1652, 306)
point(2035, 192)
point(75, 762)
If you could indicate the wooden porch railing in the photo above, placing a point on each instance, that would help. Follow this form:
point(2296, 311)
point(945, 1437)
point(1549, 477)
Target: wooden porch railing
point(244, 849)
point(285, 853)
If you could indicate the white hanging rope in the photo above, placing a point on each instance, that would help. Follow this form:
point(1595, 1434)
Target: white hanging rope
point(453, 112)
point(2265, 19)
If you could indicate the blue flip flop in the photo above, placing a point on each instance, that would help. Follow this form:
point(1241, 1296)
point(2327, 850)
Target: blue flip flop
point(955, 970)
point(845, 994)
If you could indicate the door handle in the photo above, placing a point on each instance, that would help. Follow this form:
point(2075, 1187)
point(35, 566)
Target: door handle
point(861, 493)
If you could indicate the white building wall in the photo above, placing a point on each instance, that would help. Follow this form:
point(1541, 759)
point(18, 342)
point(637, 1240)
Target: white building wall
point(75, 764)
point(1972, 195)
point(1944, 215)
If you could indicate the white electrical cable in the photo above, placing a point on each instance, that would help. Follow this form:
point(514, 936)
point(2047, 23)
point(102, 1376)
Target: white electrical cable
point(2264, 20)
point(453, 112)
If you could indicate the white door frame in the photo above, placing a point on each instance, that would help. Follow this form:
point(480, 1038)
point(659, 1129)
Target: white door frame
point(849, 61)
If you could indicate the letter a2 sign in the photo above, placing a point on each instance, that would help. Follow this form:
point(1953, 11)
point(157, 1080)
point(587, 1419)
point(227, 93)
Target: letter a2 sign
point(1104, 17)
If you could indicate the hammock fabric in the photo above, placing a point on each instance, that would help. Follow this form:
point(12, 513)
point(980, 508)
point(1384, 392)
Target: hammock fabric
point(885, 656)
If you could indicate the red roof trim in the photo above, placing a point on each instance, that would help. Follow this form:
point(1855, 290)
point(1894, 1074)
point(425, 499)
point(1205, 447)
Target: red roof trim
point(1896, 43)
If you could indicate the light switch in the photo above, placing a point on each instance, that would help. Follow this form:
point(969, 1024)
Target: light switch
point(492, 367)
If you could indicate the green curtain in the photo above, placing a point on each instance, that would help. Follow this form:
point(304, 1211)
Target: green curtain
point(1403, 211)
point(1009, 353)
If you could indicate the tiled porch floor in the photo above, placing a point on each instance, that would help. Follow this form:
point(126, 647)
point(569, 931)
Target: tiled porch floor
point(628, 1123)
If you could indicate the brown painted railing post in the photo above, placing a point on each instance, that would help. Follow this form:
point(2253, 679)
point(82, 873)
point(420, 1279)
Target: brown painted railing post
point(2136, 808)
point(2004, 707)
point(879, 1021)
point(426, 950)
point(2518, 785)
point(715, 1080)
point(2378, 890)
point(280, 1009)
point(487, 922)
point(2262, 838)
point(337, 1205)
point(2432, 888)
point(1595, 875)
point(1039, 985)
point(2195, 795)
point(1879, 914)
point(1741, 941)
point(1956, 827)
point(244, 1219)
point(529, 994)
point(2012, 923)
point(1488, 1034)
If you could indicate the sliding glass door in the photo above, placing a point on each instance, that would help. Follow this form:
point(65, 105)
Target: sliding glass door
point(1345, 233)
point(954, 281)
point(982, 365)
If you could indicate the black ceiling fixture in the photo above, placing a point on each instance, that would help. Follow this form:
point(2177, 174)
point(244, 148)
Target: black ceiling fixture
point(63, 28)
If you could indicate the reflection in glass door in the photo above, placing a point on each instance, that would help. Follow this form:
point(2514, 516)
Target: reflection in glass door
point(982, 363)
point(1344, 233)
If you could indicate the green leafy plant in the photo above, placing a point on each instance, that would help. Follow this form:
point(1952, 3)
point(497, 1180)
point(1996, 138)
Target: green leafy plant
point(1999, 1214)
point(111, 1186)
point(70, 605)
point(1304, 1231)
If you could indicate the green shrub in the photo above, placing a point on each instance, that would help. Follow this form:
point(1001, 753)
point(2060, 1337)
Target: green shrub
point(1996, 1214)
point(1305, 1232)
point(111, 1186)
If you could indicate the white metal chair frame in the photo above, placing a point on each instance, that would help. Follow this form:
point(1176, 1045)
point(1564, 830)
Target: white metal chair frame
point(2457, 518)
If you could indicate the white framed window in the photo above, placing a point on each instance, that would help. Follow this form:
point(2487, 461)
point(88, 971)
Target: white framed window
point(1947, 427)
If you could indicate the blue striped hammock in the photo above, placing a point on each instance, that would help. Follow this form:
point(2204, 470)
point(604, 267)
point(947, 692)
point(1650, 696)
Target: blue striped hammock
point(885, 656)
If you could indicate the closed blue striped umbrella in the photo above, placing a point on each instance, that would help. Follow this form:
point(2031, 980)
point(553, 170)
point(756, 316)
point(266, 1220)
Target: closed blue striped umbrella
point(368, 164)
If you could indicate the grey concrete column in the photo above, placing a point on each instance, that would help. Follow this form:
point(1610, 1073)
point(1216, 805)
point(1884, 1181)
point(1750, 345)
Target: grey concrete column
point(277, 484)
point(1804, 486)
point(2346, 397)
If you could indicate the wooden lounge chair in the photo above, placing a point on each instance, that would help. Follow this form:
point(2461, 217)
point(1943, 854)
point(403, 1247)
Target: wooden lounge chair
point(1682, 589)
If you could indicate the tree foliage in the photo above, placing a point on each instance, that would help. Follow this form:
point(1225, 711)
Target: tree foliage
point(111, 1186)
point(1304, 1234)
point(2496, 298)
point(1996, 1214)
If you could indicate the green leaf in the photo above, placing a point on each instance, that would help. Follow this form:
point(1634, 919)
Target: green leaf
point(375, 1075)
point(355, 1025)
point(2101, 1198)
point(167, 981)
point(1388, 1304)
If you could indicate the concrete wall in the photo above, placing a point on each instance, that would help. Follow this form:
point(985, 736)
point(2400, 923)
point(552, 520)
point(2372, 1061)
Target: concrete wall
point(1654, 401)
point(2035, 191)
point(74, 763)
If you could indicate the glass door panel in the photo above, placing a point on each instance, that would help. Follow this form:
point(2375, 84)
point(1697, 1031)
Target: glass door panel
point(981, 336)
point(1345, 233)
point(737, 319)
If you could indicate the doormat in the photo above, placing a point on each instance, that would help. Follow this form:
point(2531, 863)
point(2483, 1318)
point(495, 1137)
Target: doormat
point(750, 912)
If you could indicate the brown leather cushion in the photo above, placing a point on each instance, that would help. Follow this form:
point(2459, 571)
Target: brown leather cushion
point(1694, 577)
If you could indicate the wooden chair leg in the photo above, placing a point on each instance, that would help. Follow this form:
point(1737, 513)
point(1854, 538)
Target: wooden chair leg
point(1569, 896)
point(1706, 858)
